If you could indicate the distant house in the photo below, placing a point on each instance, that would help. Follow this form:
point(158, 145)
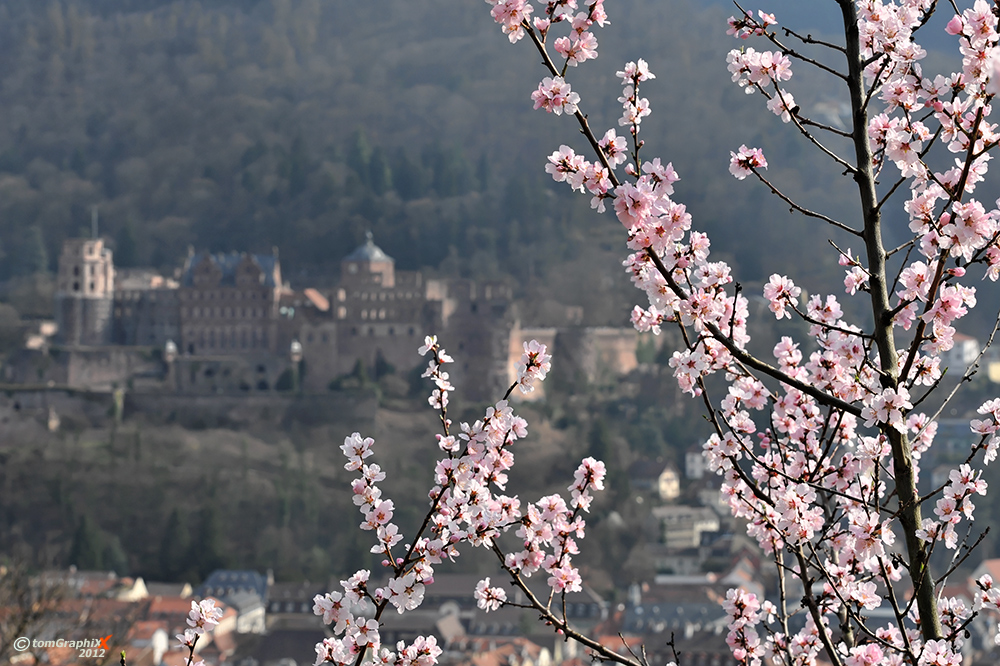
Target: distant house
point(284, 646)
point(655, 476)
point(243, 590)
point(683, 526)
point(182, 590)
point(97, 584)
point(962, 355)
point(225, 582)
point(293, 598)
point(148, 637)
point(250, 612)
point(694, 462)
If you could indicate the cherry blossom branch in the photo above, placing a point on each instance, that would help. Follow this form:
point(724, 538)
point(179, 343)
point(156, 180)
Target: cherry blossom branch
point(814, 611)
point(579, 115)
point(752, 361)
point(773, 38)
point(809, 39)
point(802, 209)
point(828, 128)
point(970, 371)
point(560, 624)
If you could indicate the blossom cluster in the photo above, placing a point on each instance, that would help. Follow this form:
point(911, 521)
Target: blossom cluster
point(203, 617)
point(747, 25)
point(466, 506)
point(757, 70)
point(809, 444)
point(954, 504)
point(439, 396)
point(743, 610)
point(635, 108)
point(534, 364)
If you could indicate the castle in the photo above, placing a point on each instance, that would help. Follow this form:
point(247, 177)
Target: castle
point(229, 324)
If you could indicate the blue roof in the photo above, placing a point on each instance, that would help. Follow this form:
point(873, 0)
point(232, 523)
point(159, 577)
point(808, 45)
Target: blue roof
point(368, 252)
point(227, 263)
point(224, 582)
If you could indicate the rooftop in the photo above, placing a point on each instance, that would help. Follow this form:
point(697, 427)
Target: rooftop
point(368, 252)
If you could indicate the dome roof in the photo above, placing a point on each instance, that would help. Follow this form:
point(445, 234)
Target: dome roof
point(368, 252)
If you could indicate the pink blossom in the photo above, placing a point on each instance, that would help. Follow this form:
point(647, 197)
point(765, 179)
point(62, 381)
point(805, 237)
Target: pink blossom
point(742, 163)
point(555, 96)
point(489, 598)
point(780, 292)
point(203, 615)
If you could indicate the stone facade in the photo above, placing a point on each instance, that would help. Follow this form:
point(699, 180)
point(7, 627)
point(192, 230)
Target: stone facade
point(229, 324)
point(85, 293)
point(229, 304)
point(233, 321)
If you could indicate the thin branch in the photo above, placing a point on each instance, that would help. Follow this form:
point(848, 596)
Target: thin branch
point(809, 39)
point(805, 211)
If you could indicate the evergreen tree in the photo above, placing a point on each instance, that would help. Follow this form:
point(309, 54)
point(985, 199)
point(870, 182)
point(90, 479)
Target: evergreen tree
point(379, 173)
point(175, 548)
point(126, 251)
point(208, 550)
point(360, 372)
point(87, 550)
point(298, 168)
point(114, 556)
point(409, 178)
point(35, 256)
point(359, 156)
point(382, 366)
point(600, 442)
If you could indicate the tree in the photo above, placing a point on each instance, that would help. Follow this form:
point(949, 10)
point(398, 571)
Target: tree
point(126, 250)
point(35, 257)
point(87, 550)
point(175, 548)
point(819, 448)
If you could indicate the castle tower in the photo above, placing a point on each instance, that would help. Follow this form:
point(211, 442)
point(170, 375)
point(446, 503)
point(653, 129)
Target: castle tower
point(368, 264)
point(85, 293)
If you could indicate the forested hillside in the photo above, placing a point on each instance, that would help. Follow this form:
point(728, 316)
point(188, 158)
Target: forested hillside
point(229, 124)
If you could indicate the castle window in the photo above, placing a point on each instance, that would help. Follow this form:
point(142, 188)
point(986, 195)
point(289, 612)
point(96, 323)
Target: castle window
point(381, 313)
point(364, 314)
point(341, 312)
point(392, 331)
point(341, 295)
point(412, 331)
point(354, 331)
point(364, 295)
point(76, 286)
point(475, 307)
point(76, 270)
point(92, 286)
point(371, 331)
